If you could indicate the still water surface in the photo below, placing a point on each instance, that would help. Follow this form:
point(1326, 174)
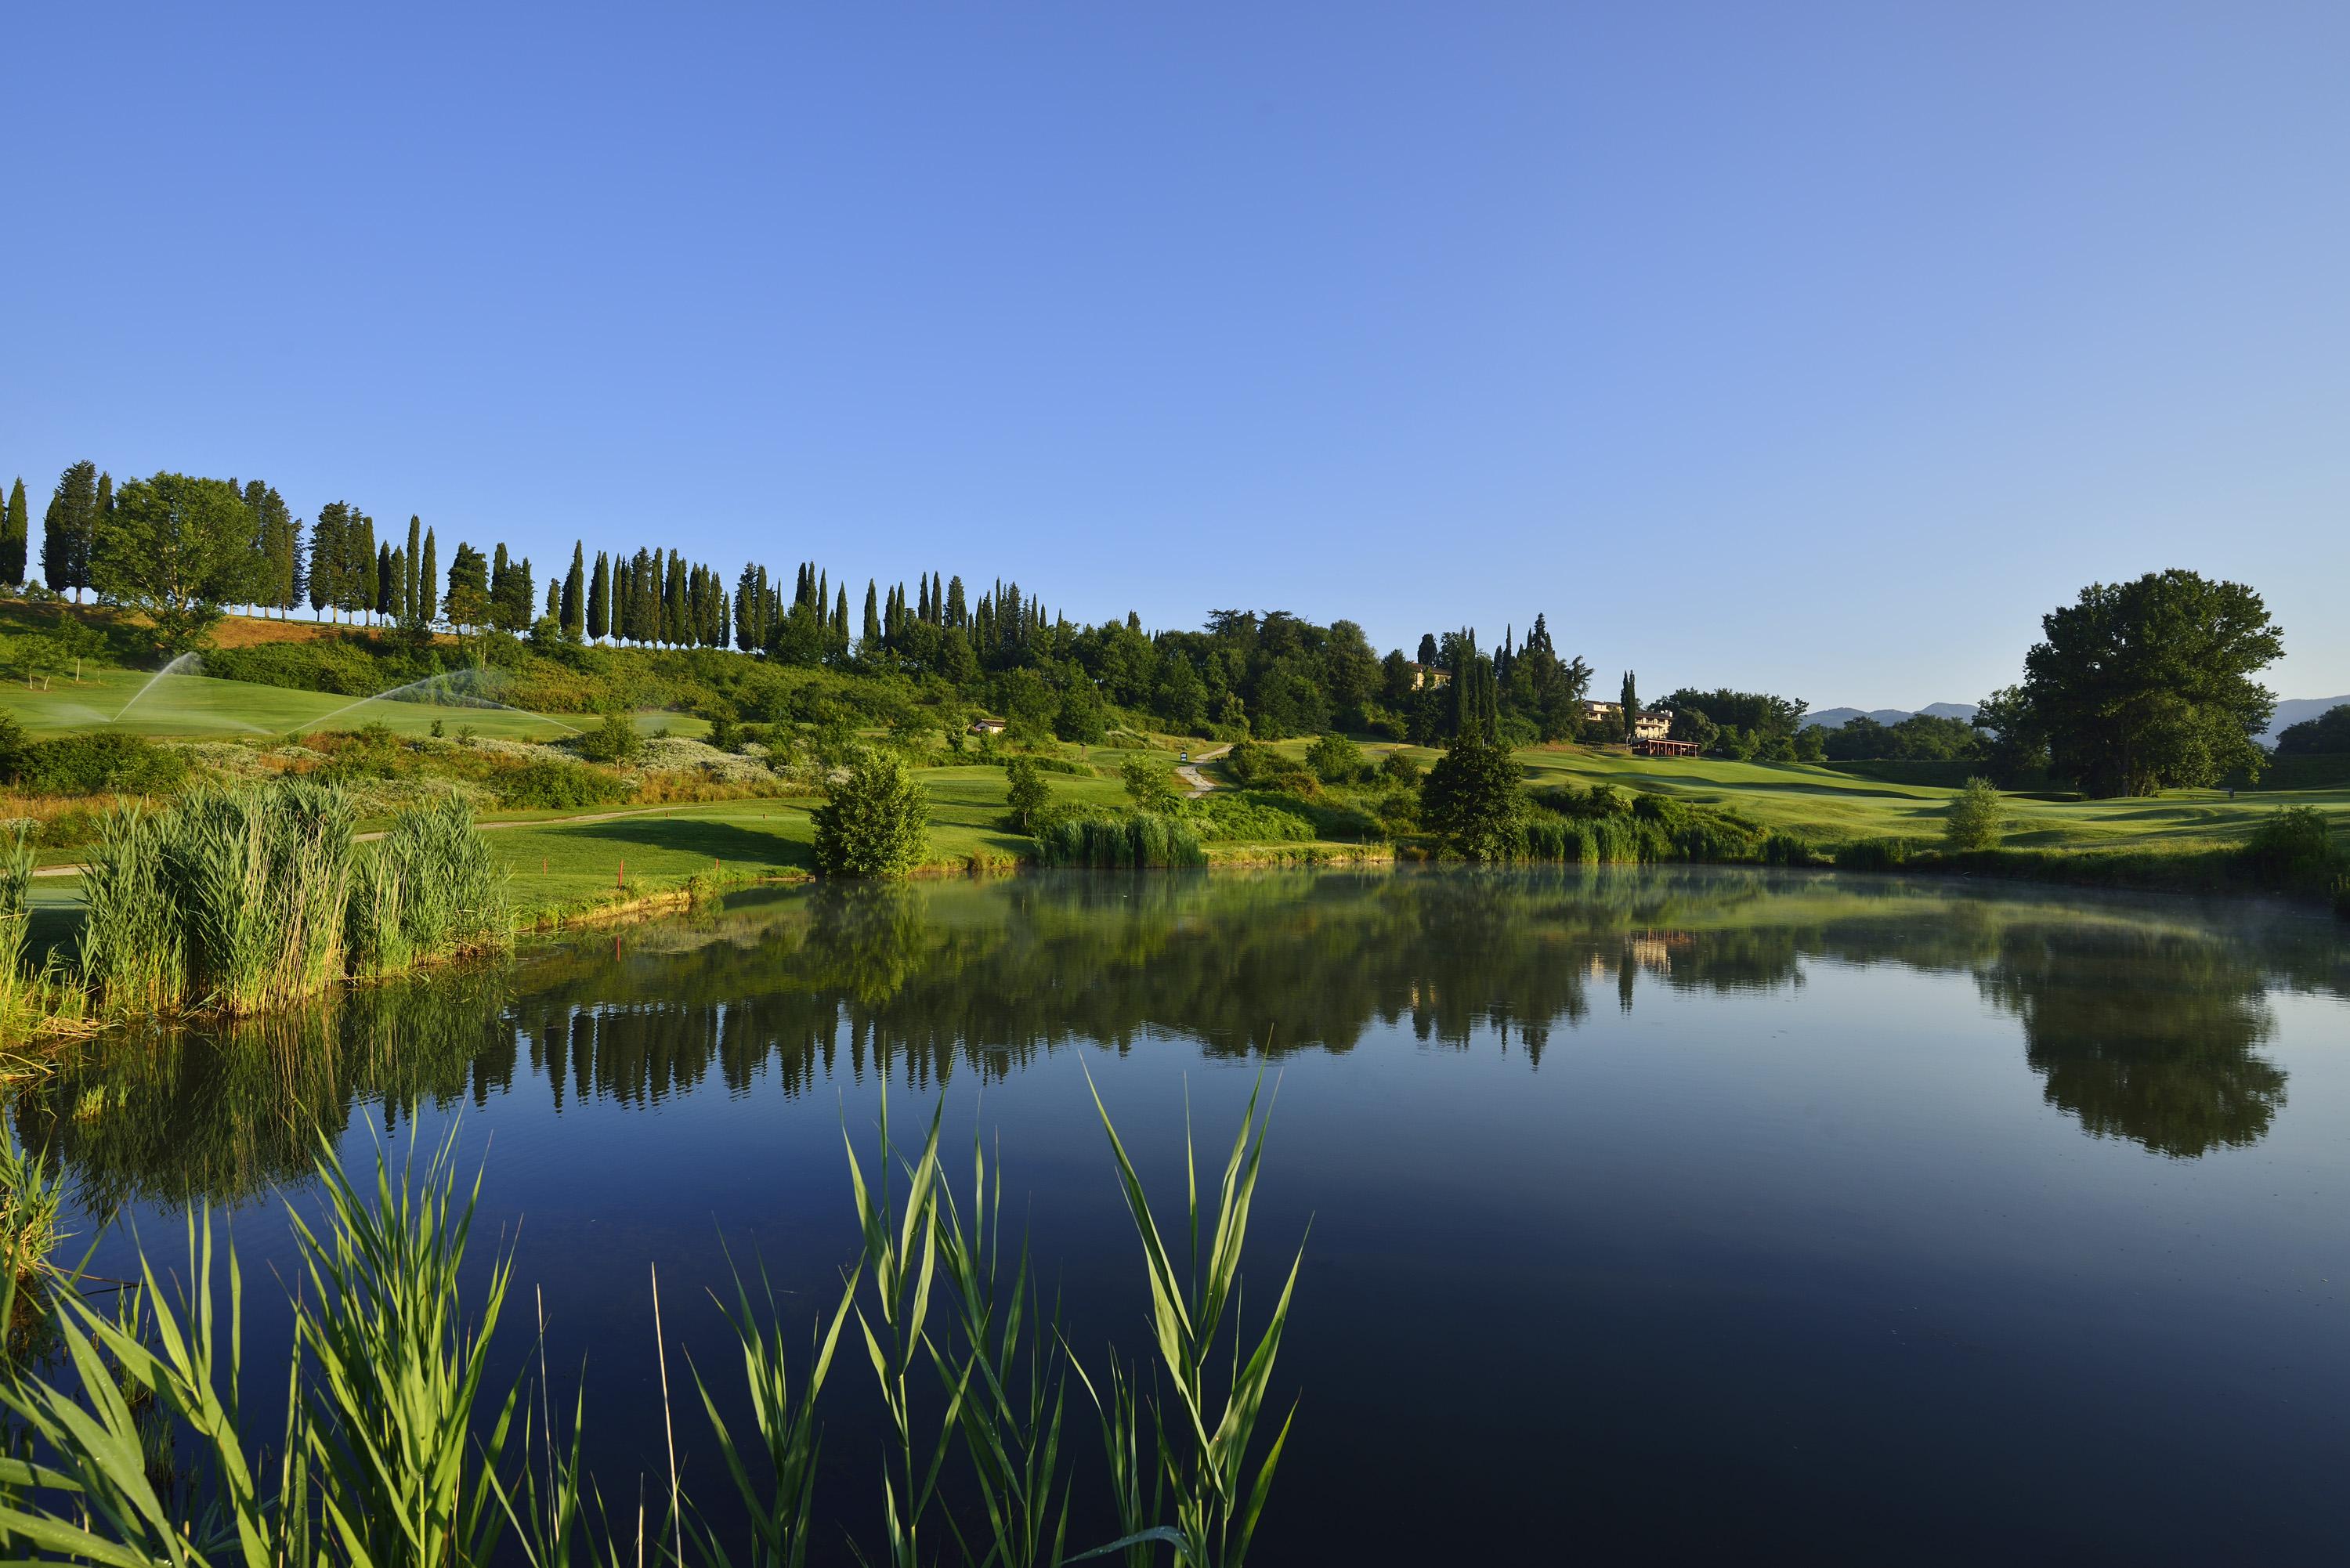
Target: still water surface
point(1652, 1214)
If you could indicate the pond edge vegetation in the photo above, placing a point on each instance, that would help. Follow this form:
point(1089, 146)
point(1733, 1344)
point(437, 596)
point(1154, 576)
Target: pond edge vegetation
point(392, 1446)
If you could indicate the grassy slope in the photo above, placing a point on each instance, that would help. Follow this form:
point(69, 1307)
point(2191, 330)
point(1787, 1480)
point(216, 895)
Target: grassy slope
point(199, 707)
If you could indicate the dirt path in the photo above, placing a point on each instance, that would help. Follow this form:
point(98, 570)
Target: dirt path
point(77, 869)
point(1190, 774)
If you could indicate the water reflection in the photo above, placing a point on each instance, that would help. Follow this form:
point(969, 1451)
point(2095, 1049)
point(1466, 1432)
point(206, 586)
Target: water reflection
point(2145, 1021)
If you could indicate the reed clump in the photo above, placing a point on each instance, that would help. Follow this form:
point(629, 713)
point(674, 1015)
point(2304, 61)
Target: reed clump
point(244, 900)
point(1141, 840)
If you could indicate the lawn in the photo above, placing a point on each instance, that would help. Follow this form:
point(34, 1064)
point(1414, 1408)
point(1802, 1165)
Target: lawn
point(192, 706)
point(1829, 807)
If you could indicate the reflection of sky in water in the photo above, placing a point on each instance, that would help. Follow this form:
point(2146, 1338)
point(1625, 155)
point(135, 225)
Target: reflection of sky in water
point(1798, 1245)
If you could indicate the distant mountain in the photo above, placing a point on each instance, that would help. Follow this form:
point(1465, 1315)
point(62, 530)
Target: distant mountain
point(1835, 718)
point(2294, 709)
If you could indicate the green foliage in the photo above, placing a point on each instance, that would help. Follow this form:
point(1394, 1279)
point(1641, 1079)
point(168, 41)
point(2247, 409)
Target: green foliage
point(1920, 737)
point(93, 762)
point(2149, 685)
point(2328, 734)
point(1151, 786)
point(1254, 765)
point(428, 888)
point(1473, 801)
point(615, 740)
point(1204, 1455)
point(1874, 855)
point(1336, 760)
point(1400, 768)
point(1250, 817)
point(1141, 840)
point(549, 785)
point(176, 548)
point(130, 945)
point(257, 879)
point(1026, 791)
point(1974, 818)
point(1757, 714)
point(2294, 849)
point(874, 823)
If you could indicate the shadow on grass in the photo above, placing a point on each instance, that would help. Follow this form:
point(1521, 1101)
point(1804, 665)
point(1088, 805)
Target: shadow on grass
point(712, 840)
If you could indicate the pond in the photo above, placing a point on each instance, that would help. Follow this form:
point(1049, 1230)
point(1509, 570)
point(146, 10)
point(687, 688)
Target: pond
point(1644, 1213)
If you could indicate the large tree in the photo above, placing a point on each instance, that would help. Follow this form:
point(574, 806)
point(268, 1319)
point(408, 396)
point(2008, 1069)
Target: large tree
point(599, 599)
point(176, 548)
point(2149, 685)
point(68, 528)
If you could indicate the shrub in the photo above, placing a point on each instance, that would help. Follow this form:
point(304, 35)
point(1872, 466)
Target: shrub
point(1400, 768)
point(872, 824)
point(1782, 849)
point(1258, 766)
point(2293, 847)
point(1024, 791)
point(100, 762)
point(1248, 818)
point(1973, 822)
point(615, 740)
point(550, 784)
point(1151, 786)
point(1336, 760)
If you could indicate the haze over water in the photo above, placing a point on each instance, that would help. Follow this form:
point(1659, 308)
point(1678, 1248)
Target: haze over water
point(1653, 1213)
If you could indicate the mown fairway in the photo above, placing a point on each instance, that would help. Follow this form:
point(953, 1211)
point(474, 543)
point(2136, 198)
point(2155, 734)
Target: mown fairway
point(200, 707)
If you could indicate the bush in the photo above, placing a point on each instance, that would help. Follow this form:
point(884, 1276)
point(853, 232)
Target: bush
point(1787, 850)
point(2293, 848)
point(615, 740)
point(100, 762)
point(550, 784)
point(1973, 822)
point(1336, 760)
point(1252, 818)
point(1254, 765)
point(873, 824)
point(1151, 786)
point(1400, 768)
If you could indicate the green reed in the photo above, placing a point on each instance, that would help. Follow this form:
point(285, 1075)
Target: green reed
point(428, 888)
point(131, 950)
point(1141, 841)
point(250, 899)
point(392, 1447)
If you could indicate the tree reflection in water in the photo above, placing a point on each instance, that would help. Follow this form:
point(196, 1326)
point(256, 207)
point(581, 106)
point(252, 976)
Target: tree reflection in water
point(2144, 1019)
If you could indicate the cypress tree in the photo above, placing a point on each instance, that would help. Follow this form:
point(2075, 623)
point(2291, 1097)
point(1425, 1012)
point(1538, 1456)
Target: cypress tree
point(574, 592)
point(500, 585)
point(599, 599)
point(383, 580)
point(957, 612)
point(408, 596)
point(327, 553)
point(872, 639)
point(67, 527)
point(428, 582)
point(16, 529)
point(1630, 700)
point(673, 604)
point(355, 582)
point(105, 511)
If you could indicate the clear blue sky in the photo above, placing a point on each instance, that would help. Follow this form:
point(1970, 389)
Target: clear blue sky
point(1819, 348)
